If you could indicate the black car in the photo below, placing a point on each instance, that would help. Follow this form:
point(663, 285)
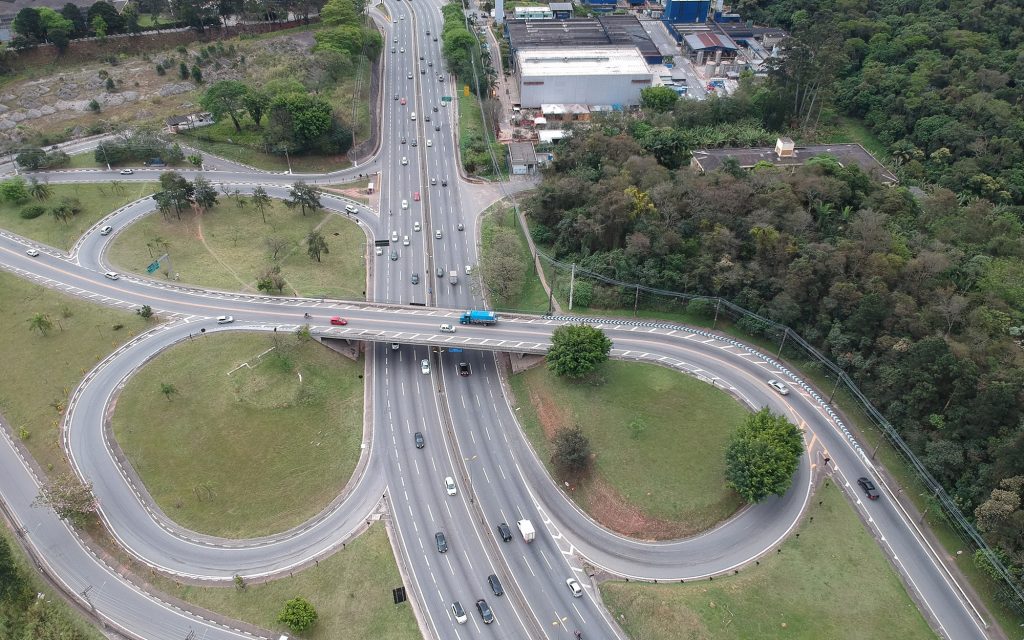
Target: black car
point(464, 369)
point(495, 585)
point(869, 488)
point(418, 438)
point(442, 544)
point(485, 611)
point(506, 533)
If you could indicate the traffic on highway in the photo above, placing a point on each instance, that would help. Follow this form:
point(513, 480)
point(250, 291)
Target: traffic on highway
point(488, 544)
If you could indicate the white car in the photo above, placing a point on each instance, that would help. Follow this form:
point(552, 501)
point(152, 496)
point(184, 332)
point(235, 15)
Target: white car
point(126, 172)
point(380, 251)
point(574, 586)
point(469, 269)
point(105, 231)
point(458, 612)
point(225, 319)
point(409, 77)
point(416, 226)
point(405, 241)
point(778, 386)
point(430, 143)
point(437, 233)
point(394, 236)
point(405, 204)
point(447, 328)
point(351, 209)
point(405, 160)
point(449, 486)
point(425, 366)
point(32, 252)
point(395, 346)
point(111, 275)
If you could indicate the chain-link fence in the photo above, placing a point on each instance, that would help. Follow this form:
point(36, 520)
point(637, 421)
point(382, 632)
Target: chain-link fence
point(593, 295)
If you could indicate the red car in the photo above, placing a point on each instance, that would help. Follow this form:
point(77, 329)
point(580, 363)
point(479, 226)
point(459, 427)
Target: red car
point(338, 320)
point(416, 196)
point(402, 101)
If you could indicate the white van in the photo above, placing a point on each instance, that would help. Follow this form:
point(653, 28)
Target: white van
point(412, 116)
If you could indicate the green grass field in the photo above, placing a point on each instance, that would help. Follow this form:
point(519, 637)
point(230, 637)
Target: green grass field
point(226, 248)
point(672, 473)
point(833, 582)
point(350, 590)
point(247, 454)
point(97, 201)
point(532, 299)
point(45, 369)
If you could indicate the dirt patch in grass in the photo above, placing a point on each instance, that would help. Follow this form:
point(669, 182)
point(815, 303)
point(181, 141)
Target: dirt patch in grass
point(666, 480)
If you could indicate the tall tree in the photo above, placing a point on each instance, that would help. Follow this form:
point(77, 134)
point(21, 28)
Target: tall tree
point(763, 455)
point(572, 450)
point(28, 23)
point(226, 97)
point(577, 349)
point(71, 498)
point(304, 196)
point(74, 15)
point(316, 245)
point(261, 200)
point(205, 196)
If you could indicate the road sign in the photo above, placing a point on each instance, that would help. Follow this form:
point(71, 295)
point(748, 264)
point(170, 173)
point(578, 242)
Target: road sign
point(153, 267)
point(446, 98)
point(465, 90)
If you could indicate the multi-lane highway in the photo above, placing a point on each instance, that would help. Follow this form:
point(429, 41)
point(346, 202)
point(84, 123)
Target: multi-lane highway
point(469, 431)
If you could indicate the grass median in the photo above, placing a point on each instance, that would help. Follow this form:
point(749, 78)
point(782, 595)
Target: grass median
point(229, 247)
point(350, 590)
point(44, 366)
point(662, 479)
point(255, 434)
point(831, 582)
point(96, 201)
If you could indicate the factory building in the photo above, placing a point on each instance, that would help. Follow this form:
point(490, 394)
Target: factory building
point(581, 75)
point(686, 11)
point(707, 47)
point(582, 33)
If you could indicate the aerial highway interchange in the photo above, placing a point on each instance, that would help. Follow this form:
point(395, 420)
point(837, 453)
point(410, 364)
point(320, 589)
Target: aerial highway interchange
point(470, 432)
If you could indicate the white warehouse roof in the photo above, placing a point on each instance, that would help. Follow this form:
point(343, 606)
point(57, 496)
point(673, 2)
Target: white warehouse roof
point(581, 61)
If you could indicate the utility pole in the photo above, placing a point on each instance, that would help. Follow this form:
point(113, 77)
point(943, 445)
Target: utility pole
point(572, 283)
point(636, 300)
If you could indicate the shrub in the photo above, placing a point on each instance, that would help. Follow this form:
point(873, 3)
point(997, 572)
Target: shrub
point(32, 212)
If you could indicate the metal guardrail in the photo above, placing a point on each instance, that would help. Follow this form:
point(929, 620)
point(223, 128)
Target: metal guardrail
point(1009, 592)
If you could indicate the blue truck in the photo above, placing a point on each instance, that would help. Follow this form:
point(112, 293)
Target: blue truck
point(478, 317)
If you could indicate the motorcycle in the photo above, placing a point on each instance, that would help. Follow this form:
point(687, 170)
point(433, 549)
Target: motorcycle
point(306, 316)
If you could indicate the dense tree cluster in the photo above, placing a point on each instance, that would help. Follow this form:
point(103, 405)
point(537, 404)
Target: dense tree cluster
point(920, 299)
point(350, 32)
point(138, 145)
point(938, 82)
point(462, 50)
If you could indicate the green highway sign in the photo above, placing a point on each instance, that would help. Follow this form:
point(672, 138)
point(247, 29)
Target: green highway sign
point(153, 267)
point(446, 98)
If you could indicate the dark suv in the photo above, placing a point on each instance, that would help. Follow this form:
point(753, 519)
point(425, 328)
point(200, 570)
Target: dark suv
point(506, 533)
point(495, 585)
point(868, 487)
point(485, 611)
point(464, 369)
point(442, 544)
point(418, 439)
